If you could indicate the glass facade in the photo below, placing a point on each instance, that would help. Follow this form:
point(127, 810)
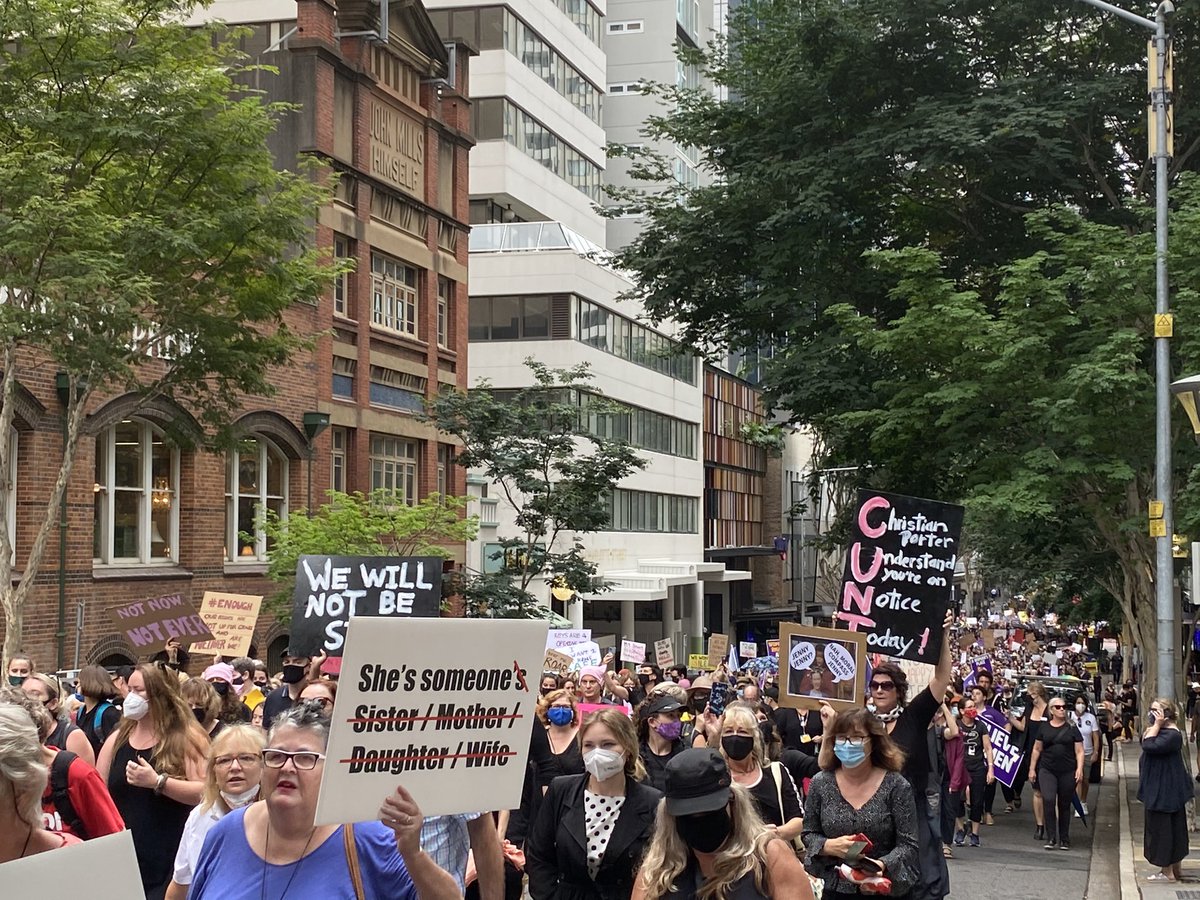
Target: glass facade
point(509, 318)
point(650, 512)
point(540, 58)
point(613, 333)
point(585, 16)
point(638, 427)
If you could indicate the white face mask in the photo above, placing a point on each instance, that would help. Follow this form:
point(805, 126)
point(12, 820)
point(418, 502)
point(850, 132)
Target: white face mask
point(1080, 708)
point(135, 706)
point(245, 798)
point(603, 764)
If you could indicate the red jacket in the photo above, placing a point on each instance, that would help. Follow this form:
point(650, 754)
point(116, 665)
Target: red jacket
point(90, 797)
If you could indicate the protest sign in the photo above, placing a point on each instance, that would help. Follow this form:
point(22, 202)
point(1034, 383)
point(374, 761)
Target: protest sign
point(1109, 645)
point(1006, 755)
point(664, 653)
point(989, 639)
point(557, 662)
point(584, 654)
point(149, 624)
point(966, 640)
point(718, 650)
point(58, 872)
point(982, 663)
point(899, 573)
point(772, 646)
point(633, 652)
point(330, 590)
point(747, 649)
point(231, 619)
point(699, 661)
point(821, 665)
point(414, 709)
point(918, 674)
point(561, 638)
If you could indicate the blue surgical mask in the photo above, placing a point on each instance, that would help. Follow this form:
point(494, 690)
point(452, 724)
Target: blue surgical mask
point(560, 715)
point(851, 755)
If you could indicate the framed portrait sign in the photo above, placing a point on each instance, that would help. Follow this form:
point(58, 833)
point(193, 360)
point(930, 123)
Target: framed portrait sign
point(821, 665)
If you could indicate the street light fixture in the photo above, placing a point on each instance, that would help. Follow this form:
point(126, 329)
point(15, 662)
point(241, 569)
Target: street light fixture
point(1187, 392)
point(1160, 149)
point(314, 424)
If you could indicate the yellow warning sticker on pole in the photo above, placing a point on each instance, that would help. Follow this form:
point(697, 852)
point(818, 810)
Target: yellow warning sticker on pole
point(1164, 325)
point(1156, 509)
point(1158, 528)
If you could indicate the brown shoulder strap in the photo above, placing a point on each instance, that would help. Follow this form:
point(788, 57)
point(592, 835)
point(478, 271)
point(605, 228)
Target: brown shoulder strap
point(352, 861)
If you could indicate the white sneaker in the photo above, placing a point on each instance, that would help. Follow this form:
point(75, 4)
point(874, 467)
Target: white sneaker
point(1085, 809)
point(1077, 814)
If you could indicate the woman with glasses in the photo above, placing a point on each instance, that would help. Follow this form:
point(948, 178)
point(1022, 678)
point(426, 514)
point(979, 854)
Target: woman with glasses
point(860, 791)
point(1164, 789)
point(234, 772)
point(322, 693)
point(274, 850)
point(66, 736)
point(1056, 768)
point(154, 767)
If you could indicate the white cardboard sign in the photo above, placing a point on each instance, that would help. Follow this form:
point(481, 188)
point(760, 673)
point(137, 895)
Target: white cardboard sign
point(633, 652)
point(747, 649)
point(443, 706)
point(585, 654)
point(664, 653)
point(58, 871)
point(562, 638)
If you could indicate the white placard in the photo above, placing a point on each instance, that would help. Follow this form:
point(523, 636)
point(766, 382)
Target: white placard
point(664, 653)
point(585, 654)
point(443, 706)
point(747, 649)
point(561, 638)
point(633, 652)
point(58, 871)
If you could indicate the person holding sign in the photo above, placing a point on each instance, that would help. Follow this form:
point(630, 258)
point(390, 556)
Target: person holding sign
point(592, 829)
point(273, 850)
point(22, 782)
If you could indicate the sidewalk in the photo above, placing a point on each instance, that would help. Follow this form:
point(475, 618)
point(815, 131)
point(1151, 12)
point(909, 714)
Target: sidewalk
point(1134, 868)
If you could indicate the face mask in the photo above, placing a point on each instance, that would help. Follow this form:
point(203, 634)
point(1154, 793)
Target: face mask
point(737, 746)
point(221, 687)
point(697, 703)
point(135, 707)
point(705, 832)
point(245, 798)
point(604, 764)
point(1081, 708)
point(970, 714)
point(16, 680)
point(644, 680)
point(199, 714)
point(293, 674)
point(560, 715)
point(851, 756)
point(954, 712)
point(669, 730)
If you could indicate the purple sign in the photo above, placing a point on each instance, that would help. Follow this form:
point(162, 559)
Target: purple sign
point(984, 662)
point(1005, 754)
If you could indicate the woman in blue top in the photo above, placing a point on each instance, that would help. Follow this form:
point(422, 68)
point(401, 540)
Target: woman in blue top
point(1164, 789)
point(272, 849)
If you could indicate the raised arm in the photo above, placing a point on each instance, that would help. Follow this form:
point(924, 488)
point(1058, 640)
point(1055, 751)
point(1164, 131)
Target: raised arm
point(944, 671)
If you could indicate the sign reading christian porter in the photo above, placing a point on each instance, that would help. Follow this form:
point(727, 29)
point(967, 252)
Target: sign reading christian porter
point(899, 573)
point(331, 589)
point(397, 148)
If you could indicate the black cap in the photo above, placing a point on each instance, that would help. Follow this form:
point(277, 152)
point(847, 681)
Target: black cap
point(697, 782)
point(661, 704)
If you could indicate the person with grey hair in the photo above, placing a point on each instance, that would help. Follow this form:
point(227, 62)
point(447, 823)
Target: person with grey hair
point(276, 844)
point(22, 781)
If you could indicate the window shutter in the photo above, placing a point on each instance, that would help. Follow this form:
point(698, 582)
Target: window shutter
point(560, 318)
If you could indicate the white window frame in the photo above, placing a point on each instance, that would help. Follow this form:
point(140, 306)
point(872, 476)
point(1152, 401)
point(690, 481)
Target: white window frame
point(443, 470)
point(339, 440)
point(627, 26)
point(265, 453)
point(627, 87)
point(395, 466)
point(148, 493)
point(394, 302)
point(445, 295)
point(341, 282)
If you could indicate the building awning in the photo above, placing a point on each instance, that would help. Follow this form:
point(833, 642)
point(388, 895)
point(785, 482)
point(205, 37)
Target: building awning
point(787, 613)
point(717, 553)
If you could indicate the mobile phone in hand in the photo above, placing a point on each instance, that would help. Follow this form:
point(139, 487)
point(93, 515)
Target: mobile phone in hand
point(718, 697)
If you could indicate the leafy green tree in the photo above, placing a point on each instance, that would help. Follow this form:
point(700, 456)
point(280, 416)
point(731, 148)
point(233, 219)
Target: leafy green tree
point(544, 449)
point(361, 525)
point(148, 242)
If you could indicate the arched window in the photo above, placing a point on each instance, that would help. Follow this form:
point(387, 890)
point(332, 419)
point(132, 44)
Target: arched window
point(136, 496)
point(256, 478)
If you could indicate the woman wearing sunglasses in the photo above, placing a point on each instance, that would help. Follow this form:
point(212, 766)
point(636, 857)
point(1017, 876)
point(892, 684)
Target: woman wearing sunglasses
point(273, 850)
point(1056, 768)
point(860, 792)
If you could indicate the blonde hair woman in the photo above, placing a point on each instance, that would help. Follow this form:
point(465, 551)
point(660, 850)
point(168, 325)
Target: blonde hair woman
point(1030, 725)
point(235, 769)
point(592, 829)
point(22, 780)
point(65, 736)
point(709, 842)
point(770, 785)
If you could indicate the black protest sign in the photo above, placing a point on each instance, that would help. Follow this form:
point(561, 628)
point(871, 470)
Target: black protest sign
point(899, 573)
point(331, 589)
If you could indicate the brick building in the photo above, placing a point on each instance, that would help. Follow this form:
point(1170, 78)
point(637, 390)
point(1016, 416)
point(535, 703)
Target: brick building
point(378, 103)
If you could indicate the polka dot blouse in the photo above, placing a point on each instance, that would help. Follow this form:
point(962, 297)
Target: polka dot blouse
point(600, 817)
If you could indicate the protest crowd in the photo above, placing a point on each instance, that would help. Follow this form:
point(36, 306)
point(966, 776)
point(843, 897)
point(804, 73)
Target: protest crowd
point(640, 781)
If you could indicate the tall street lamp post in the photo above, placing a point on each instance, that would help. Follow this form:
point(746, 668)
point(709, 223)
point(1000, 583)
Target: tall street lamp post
point(1160, 100)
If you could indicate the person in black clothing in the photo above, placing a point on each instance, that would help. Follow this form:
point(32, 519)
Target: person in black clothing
point(659, 730)
point(977, 755)
point(770, 784)
point(800, 729)
point(296, 667)
point(1164, 790)
point(1057, 769)
point(99, 716)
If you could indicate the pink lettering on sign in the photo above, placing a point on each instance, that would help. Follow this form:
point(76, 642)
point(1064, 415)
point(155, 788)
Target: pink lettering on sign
point(868, 507)
point(856, 563)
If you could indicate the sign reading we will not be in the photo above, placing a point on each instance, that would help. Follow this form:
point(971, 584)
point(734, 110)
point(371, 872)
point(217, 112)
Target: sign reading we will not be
point(900, 572)
point(149, 624)
point(331, 589)
point(413, 708)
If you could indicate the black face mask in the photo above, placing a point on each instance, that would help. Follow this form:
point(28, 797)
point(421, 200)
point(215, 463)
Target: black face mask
point(697, 703)
point(221, 687)
point(644, 679)
point(293, 674)
point(548, 690)
point(199, 714)
point(737, 746)
point(705, 832)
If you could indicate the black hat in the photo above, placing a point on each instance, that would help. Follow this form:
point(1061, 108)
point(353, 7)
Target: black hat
point(697, 782)
point(661, 704)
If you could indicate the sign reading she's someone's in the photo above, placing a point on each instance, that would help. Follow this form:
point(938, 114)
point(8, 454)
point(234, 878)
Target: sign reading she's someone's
point(331, 589)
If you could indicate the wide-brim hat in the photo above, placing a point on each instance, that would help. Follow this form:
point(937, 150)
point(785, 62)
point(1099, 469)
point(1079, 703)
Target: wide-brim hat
point(697, 781)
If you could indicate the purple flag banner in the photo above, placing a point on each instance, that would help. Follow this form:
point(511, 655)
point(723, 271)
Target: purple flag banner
point(1005, 754)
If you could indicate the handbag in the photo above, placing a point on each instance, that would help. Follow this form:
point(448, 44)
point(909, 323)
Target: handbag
point(777, 774)
point(352, 862)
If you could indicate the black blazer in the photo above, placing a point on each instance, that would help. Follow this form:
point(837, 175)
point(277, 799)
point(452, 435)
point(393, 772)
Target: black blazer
point(556, 849)
point(791, 730)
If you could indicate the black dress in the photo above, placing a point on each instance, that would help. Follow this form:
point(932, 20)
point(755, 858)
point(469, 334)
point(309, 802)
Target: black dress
point(155, 820)
point(687, 885)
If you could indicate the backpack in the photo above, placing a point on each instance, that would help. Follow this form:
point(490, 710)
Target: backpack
point(60, 796)
point(98, 716)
